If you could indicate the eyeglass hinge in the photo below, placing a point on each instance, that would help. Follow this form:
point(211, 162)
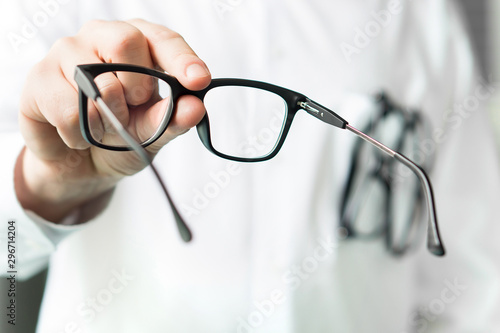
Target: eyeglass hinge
point(322, 113)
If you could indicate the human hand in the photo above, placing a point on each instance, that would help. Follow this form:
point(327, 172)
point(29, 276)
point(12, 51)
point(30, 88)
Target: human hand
point(49, 117)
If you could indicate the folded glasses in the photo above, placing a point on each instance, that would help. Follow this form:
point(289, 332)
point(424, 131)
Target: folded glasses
point(380, 199)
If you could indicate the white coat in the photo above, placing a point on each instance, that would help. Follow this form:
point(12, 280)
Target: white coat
point(265, 257)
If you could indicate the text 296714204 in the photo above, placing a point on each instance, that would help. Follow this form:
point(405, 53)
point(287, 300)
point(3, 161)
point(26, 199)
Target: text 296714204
point(11, 272)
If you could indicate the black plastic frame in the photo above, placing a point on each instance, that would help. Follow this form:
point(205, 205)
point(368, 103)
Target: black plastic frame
point(86, 73)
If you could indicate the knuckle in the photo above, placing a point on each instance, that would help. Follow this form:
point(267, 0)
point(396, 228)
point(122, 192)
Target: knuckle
point(68, 127)
point(71, 117)
point(128, 39)
point(141, 91)
point(64, 43)
point(112, 93)
point(40, 69)
point(136, 20)
point(164, 34)
point(182, 58)
point(71, 143)
point(109, 88)
point(75, 143)
point(41, 72)
point(91, 26)
point(137, 95)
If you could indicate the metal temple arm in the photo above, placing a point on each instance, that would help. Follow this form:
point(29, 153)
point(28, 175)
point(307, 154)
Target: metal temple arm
point(434, 243)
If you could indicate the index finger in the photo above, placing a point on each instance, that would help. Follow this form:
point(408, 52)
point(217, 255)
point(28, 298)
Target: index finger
point(171, 52)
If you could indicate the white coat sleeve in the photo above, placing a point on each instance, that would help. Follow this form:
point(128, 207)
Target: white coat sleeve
point(28, 28)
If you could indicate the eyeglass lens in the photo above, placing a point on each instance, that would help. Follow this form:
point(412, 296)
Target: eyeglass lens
point(142, 103)
point(245, 122)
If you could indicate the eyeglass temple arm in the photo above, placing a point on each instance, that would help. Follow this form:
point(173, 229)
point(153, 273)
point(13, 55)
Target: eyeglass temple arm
point(434, 243)
point(184, 231)
point(90, 89)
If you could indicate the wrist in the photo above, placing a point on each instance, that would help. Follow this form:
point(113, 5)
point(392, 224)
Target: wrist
point(53, 190)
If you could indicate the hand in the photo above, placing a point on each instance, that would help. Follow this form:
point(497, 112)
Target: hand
point(58, 170)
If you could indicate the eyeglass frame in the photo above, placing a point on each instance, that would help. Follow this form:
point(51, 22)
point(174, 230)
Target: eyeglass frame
point(91, 71)
point(87, 88)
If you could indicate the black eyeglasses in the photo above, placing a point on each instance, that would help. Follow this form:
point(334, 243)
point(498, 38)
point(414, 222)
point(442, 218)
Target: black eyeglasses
point(246, 120)
point(379, 199)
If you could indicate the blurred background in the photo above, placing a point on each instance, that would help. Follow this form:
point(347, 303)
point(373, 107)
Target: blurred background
point(483, 21)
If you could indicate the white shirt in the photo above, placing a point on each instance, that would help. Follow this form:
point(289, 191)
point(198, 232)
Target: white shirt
point(264, 256)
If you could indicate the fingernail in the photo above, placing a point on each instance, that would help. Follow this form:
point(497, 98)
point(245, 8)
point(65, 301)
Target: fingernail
point(196, 71)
